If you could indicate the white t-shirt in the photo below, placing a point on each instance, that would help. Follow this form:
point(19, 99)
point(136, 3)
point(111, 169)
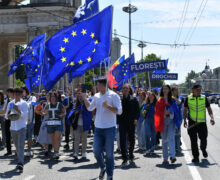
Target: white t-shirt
point(22, 121)
point(104, 117)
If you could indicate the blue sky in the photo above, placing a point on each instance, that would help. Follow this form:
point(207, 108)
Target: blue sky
point(158, 21)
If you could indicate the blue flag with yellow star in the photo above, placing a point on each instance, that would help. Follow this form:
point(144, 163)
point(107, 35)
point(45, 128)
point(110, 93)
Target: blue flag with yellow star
point(90, 8)
point(32, 55)
point(122, 71)
point(78, 47)
point(32, 82)
point(32, 70)
point(79, 72)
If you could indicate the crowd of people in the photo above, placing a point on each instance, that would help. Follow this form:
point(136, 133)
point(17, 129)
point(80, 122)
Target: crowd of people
point(125, 116)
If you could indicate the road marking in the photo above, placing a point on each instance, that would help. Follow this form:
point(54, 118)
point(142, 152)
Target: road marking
point(192, 168)
point(29, 177)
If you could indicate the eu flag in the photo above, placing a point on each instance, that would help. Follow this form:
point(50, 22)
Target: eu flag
point(122, 71)
point(90, 8)
point(32, 70)
point(80, 72)
point(78, 47)
point(32, 82)
point(162, 71)
point(32, 55)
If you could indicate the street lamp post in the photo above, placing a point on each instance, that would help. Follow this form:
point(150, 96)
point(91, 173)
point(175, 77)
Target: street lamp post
point(130, 9)
point(142, 45)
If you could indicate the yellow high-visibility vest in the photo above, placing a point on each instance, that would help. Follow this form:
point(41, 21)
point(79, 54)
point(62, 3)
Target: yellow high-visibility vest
point(197, 108)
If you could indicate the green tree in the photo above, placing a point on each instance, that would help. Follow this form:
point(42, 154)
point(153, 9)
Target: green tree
point(19, 83)
point(20, 73)
point(143, 77)
point(89, 76)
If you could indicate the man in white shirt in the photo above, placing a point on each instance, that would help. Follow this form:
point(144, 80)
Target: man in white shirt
point(107, 104)
point(18, 126)
point(31, 101)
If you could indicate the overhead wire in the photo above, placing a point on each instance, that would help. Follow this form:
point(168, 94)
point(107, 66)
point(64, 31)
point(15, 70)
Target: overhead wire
point(137, 40)
point(179, 32)
point(194, 21)
point(197, 21)
point(193, 27)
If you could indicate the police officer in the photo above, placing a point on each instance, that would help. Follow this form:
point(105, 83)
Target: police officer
point(195, 105)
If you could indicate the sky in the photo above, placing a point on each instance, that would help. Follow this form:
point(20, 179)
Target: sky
point(159, 21)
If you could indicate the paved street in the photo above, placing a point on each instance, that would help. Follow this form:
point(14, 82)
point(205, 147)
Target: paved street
point(41, 168)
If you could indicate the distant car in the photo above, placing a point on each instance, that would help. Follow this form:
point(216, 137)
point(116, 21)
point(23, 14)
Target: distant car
point(212, 99)
point(217, 100)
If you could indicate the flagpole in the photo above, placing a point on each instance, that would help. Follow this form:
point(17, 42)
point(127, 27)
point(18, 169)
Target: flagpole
point(100, 69)
point(42, 64)
point(93, 75)
point(72, 87)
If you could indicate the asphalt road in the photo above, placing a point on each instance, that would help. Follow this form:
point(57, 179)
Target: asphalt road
point(41, 168)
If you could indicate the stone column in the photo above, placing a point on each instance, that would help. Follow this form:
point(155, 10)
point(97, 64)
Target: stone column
point(11, 59)
point(4, 65)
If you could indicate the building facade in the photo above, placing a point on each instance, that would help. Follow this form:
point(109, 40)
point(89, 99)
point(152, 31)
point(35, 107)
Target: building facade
point(209, 79)
point(19, 24)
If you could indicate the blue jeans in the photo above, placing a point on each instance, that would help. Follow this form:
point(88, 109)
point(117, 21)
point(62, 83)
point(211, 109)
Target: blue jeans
point(104, 139)
point(140, 135)
point(3, 130)
point(168, 138)
point(150, 134)
point(177, 137)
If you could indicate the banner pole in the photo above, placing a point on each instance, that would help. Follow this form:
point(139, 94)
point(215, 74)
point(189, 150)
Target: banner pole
point(149, 81)
point(42, 65)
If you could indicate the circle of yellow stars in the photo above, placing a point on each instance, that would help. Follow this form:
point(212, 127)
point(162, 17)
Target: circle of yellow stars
point(66, 40)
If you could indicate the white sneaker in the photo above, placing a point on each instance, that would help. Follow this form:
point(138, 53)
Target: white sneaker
point(84, 155)
point(28, 154)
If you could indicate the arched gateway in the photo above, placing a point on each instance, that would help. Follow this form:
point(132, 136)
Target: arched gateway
point(19, 24)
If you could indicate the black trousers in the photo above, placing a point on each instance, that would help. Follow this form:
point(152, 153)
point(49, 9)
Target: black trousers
point(67, 133)
point(196, 130)
point(127, 138)
point(8, 135)
point(37, 124)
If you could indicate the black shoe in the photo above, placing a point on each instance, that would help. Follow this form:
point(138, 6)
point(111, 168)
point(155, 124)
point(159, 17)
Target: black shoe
point(46, 153)
point(124, 163)
point(20, 167)
point(165, 162)
point(8, 154)
point(204, 153)
point(102, 174)
point(173, 160)
point(195, 160)
point(56, 156)
point(118, 150)
point(67, 147)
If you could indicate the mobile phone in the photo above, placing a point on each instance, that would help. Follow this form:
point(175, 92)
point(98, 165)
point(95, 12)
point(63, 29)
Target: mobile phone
point(83, 88)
